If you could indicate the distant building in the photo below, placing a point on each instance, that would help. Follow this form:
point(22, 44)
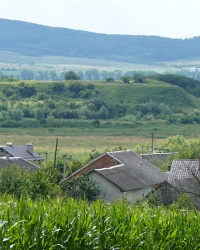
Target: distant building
point(26, 152)
point(17, 161)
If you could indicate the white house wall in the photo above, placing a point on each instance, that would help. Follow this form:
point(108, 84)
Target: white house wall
point(110, 192)
point(138, 194)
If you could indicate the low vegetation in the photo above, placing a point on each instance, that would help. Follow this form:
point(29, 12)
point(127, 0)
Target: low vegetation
point(71, 224)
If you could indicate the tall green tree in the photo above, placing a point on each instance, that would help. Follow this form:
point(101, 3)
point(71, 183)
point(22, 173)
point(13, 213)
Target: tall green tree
point(82, 187)
point(71, 75)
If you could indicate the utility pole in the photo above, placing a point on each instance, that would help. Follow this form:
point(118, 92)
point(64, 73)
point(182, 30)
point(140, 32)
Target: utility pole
point(55, 152)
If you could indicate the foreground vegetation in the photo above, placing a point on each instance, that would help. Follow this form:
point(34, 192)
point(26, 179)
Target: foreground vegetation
point(37, 214)
point(70, 224)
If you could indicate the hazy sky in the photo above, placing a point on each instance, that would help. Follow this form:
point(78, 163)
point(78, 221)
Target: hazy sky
point(166, 18)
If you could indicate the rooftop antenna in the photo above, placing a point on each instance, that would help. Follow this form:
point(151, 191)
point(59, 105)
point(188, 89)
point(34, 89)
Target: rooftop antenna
point(141, 169)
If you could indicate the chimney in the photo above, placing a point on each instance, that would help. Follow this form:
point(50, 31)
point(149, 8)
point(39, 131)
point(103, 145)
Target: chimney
point(29, 147)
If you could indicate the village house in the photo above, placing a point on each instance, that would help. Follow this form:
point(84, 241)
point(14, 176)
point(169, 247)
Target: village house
point(122, 174)
point(17, 161)
point(26, 152)
point(182, 178)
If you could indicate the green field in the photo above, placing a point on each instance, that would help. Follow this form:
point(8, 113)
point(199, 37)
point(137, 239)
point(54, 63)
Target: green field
point(79, 142)
point(69, 224)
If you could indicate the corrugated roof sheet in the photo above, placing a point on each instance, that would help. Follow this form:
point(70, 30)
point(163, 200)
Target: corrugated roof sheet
point(123, 177)
point(141, 168)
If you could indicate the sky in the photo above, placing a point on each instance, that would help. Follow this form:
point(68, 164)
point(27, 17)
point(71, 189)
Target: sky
point(165, 18)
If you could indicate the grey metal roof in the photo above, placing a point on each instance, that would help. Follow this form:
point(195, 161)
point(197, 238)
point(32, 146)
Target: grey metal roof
point(186, 185)
point(141, 168)
point(136, 173)
point(21, 151)
point(122, 176)
point(22, 163)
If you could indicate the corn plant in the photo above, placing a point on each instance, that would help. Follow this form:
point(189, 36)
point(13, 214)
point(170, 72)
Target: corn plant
point(73, 224)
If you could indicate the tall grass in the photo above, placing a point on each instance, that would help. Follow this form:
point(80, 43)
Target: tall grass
point(70, 224)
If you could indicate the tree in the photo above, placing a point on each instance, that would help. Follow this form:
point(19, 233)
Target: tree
point(82, 187)
point(19, 182)
point(109, 79)
point(16, 114)
point(27, 74)
point(26, 91)
point(39, 113)
point(103, 112)
point(138, 78)
point(126, 79)
point(71, 75)
point(14, 180)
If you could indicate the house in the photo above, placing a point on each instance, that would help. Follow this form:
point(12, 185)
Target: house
point(17, 161)
point(181, 169)
point(26, 152)
point(159, 156)
point(183, 178)
point(122, 174)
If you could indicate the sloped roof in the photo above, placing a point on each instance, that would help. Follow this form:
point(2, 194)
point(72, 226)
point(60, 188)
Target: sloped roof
point(21, 151)
point(141, 168)
point(187, 185)
point(130, 171)
point(122, 176)
point(184, 169)
point(18, 161)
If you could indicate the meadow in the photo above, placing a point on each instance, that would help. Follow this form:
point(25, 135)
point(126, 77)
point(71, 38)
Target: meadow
point(70, 224)
point(79, 142)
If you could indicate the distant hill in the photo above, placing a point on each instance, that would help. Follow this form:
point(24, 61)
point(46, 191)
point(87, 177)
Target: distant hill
point(38, 40)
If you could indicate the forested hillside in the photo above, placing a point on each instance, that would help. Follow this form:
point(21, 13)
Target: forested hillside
point(53, 104)
point(37, 40)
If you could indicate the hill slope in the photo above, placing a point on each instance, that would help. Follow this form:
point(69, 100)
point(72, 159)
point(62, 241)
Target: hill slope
point(38, 40)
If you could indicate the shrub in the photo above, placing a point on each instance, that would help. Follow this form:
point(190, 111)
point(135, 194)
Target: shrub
point(20, 182)
point(82, 187)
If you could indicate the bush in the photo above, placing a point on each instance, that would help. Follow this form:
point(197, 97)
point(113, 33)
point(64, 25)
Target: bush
point(82, 187)
point(20, 182)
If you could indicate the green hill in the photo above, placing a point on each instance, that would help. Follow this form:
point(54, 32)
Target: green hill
point(140, 93)
point(38, 40)
point(54, 104)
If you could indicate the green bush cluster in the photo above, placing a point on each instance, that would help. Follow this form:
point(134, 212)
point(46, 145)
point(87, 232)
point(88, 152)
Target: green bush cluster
point(40, 184)
point(46, 103)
